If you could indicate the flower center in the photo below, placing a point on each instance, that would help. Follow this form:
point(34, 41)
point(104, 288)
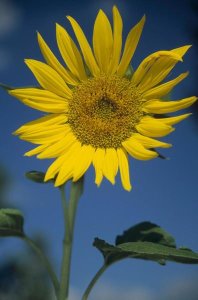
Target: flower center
point(104, 111)
point(105, 107)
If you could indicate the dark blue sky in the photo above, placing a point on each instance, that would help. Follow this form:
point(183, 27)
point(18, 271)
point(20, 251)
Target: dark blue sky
point(164, 191)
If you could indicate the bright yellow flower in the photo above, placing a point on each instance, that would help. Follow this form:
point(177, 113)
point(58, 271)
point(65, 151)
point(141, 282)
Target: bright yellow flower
point(97, 112)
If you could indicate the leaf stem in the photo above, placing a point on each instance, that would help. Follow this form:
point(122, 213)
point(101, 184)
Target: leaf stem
point(93, 281)
point(45, 261)
point(69, 211)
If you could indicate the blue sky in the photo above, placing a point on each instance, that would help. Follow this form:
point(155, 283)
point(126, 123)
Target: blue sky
point(164, 191)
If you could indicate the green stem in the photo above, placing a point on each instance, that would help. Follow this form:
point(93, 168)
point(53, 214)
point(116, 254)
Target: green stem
point(65, 267)
point(93, 281)
point(45, 261)
point(69, 210)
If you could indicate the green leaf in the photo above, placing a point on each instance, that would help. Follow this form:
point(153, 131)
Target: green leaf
point(11, 223)
point(110, 253)
point(145, 250)
point(36, 176)
point(146, 231)
point(146, 241)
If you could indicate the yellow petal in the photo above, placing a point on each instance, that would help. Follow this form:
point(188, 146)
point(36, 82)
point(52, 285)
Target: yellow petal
point(83, 161)
point(113, 153)
point(42, 123)
point(36, 150)
point(181, 50)
point(41, 99)
point(98, 160)
point(130, 46)
point(49, 135)
point(154, 69)
point(85, 47)
point(48, 78)
point(54, 167)
point(54, 63)
point(163, 107)
point(124, 168)
point(67, 168)
point(61, 163)
point(59, 147)
point(46, 107)
point(174, 120)
point(153, 128)
point(137, 150)
point(117, 40)
point(149, 142)
point(70, 53)
point(102, 41)
point(110, 164)
point(163, 89)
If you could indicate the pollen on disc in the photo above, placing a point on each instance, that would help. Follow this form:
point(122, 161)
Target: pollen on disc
point(104, 111)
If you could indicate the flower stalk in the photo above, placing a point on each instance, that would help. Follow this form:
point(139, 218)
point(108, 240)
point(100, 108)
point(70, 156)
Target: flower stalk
point(69, 211)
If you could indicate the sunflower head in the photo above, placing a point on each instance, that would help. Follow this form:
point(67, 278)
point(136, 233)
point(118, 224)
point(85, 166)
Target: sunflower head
point(96, 113)
point(104, 111)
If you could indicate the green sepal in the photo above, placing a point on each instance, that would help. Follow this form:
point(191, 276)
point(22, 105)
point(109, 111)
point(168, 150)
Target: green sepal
point(87, 71)
point(145, 241)
point(159, 154)
point(6, 87)
point(36, 176)
point(167, 97)
point(129, 72)
point(77, 187)
point(11, 223)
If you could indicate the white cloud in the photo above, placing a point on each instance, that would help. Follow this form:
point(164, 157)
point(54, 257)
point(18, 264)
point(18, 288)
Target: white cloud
point(10, 17)
point(74, 294)
point(10, 20)
point(111, 292)
point(5, 59)
point(177, 290)
point(182, 290)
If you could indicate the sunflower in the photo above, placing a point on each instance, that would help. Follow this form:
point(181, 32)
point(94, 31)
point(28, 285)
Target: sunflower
point(98, 110)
